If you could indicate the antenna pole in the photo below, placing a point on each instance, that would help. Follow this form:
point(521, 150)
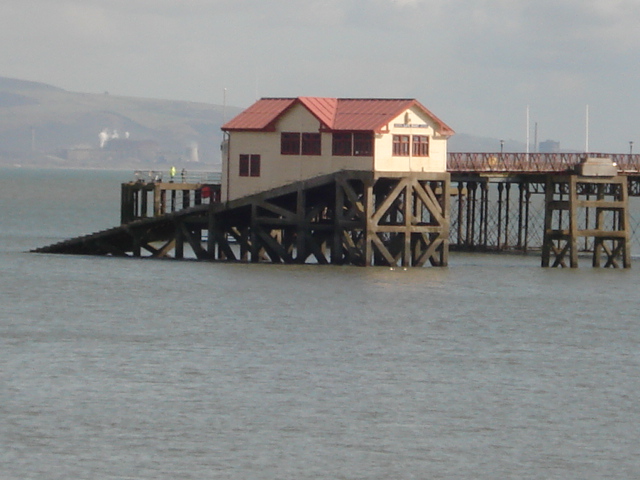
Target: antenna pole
point(224, 106)
point(586, 141)
point(527, 130)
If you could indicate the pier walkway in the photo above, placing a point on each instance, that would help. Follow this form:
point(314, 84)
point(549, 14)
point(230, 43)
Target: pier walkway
point(512, 164)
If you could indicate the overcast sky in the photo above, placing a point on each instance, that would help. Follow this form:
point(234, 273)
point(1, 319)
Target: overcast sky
point(476, 64)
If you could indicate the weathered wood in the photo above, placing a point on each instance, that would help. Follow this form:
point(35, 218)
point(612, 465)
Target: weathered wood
point(348, 217)
point(563, 240)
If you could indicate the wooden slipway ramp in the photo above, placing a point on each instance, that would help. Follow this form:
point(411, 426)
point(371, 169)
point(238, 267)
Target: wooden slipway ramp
point(348, 217)
point(125, 240)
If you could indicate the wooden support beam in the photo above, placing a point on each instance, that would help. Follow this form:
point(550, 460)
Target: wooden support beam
point(611, 202)
point(194, 241)
point(163, 252)
point(388, 201)
point(370, 225)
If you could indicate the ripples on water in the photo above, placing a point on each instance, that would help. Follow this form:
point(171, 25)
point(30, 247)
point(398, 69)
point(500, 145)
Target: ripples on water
point(115, 368)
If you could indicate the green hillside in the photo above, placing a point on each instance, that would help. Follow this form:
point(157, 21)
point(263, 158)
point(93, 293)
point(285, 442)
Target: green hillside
point(42, 125)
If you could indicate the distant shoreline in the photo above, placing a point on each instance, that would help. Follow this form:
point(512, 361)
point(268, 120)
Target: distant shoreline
point(156, 168)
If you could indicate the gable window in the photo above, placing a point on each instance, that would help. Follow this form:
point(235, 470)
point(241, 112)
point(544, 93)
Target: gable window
point(249, 165)
point(342, 144)
point(420, 146)
point(363, 144)
point(401, 145)
point(289, 143)
point(311, 144)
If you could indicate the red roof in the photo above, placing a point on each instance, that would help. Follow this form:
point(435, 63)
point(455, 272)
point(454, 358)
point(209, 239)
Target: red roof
point(260, 115)
point(354, 114)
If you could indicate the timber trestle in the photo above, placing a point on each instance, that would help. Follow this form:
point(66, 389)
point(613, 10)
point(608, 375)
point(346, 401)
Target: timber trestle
point(564, 216)
point(579, 207)
point(350, 217)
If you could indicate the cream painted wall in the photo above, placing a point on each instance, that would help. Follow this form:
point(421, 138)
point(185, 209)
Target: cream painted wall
point(435, 162)
point(278, 170)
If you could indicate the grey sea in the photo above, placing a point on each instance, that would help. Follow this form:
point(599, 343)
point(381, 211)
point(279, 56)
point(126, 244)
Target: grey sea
point(492, 368)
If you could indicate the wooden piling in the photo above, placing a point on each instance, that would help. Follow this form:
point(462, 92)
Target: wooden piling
point(611, 240)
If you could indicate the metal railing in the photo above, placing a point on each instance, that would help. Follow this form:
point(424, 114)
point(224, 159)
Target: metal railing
point(181, 176)
point(533, 162)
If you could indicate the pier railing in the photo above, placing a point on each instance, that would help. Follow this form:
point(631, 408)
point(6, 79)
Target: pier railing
point(153, 193)
point(181, 176)
point(533, 162)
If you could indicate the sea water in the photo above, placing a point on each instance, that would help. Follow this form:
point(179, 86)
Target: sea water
point(116, 368)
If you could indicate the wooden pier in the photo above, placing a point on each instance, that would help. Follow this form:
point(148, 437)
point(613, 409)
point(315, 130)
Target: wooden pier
point(504, 203)
point(349, 217)
point(150, 196)
point(487, 202)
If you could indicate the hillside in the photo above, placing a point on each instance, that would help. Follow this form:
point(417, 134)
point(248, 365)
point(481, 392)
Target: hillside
point(45, 126)
point(42, 125)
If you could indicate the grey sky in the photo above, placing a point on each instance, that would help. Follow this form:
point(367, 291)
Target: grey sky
point(476, 64)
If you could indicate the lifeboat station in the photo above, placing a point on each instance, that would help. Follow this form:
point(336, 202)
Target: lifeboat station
point(369, 182)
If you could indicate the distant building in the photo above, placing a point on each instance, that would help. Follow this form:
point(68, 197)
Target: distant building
point(192, 154)
point(277, 141)
point(116, 150)
point(549, 146)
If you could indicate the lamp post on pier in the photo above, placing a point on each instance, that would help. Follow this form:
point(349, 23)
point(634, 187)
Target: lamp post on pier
point(631, 148)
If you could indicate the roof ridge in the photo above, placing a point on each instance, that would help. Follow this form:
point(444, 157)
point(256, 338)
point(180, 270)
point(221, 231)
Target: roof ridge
point(361, 114)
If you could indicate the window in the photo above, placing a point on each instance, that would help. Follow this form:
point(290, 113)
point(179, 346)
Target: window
point(401, 145)
point(244, 165)
point(420, 146)
point(293, 143)
point(342, 144)
point(254, 166)
point(363, 144)
point(311, 144)
point(289, 143)
point(249, 165)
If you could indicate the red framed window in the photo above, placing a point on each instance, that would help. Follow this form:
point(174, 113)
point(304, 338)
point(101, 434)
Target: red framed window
point(254, 166)
point(244, 165)
point(342, 144)
point(290, 143)
point(401, 145)
point(363, 144)
point(249, 165)
point(420, 146)
point(311, 144)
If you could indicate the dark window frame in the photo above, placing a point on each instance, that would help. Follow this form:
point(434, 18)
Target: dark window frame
point(420, 145)
point(254, 164)
point(363, 144)
point(342, 144)
point(311, 144)
point(401, 145)
point(243, 170)
point(290, 143)
point(249, 165)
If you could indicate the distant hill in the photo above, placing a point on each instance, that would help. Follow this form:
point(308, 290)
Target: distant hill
point(42, 125)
